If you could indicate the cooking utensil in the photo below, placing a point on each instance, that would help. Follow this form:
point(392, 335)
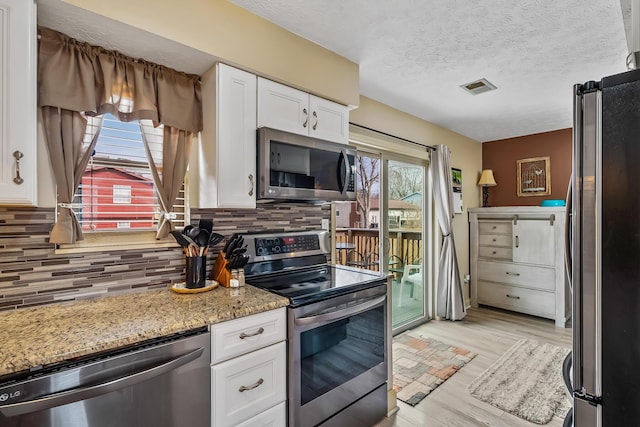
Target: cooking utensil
point(202, 240)
point(186, 229)
point(180, 238)
point(206, 224)
point(214, 239)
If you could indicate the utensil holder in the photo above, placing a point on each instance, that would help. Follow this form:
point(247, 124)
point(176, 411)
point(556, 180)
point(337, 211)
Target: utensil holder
point(196, 272)
point(219, 272)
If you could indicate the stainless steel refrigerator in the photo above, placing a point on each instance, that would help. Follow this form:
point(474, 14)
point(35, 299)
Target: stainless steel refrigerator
point(605, 252)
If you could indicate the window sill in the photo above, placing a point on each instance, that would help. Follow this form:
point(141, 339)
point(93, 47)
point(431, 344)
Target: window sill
point(116, 241)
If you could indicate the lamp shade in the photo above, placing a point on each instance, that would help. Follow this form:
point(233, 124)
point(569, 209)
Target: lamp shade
point(487, 179)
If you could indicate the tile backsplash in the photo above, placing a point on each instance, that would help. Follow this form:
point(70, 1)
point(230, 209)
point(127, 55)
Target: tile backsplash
point(31, 273)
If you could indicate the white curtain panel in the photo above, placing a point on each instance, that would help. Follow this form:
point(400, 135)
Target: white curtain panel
point(449, 297)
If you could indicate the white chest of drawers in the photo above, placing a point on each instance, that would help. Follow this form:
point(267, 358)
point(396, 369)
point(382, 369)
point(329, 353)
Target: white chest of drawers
point(517, 260)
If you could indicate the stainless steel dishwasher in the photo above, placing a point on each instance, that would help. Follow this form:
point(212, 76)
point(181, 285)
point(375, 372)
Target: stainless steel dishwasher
point(163, 383)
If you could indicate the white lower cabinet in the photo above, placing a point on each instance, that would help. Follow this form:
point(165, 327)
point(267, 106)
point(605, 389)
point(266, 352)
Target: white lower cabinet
point(249, 371)
point(274, 417)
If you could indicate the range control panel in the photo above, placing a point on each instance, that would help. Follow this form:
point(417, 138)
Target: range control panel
point(286, 244)
point(279, 245)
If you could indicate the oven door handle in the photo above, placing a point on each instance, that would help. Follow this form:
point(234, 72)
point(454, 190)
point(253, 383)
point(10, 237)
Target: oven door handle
point(338, 314)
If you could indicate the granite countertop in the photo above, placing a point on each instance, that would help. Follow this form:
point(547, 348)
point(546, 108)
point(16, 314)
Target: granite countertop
point(38, 336)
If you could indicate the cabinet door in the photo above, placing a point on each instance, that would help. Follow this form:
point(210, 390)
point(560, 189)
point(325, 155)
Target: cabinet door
point(329, 120)
point(18, 102)
point(236, 138)
point(533, 242)
point(282, 107)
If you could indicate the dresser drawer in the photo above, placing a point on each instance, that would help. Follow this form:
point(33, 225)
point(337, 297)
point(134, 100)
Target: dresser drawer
point(495, 252)
point(494, 227)
point(239, 336)
point(248, 385)
point(274, 417)
point(518, 299)
point(517, 274)
point(495, 240)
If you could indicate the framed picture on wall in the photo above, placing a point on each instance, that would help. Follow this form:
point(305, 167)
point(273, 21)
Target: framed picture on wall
point(534, 176)
point(456, 178)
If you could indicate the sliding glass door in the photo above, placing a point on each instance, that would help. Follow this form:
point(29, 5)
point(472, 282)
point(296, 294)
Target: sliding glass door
point(406, 254)
point(388, 227)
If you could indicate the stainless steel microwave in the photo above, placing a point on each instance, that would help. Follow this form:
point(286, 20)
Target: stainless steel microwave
point(299, 167)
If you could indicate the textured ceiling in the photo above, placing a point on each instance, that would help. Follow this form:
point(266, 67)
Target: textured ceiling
point(414, 54)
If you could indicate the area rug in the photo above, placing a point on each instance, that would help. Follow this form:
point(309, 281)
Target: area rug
point(421, 364)
point(526, 381)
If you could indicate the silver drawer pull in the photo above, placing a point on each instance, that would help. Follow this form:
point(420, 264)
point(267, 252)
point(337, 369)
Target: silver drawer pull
point(512, 274)
point(250, 387)
point(513, 296)
point(258, 332)
point(517, 242)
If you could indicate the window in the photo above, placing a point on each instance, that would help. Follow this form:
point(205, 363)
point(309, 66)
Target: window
point(117, 190)
point(121, 194)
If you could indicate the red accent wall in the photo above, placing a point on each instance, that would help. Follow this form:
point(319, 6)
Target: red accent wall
point(501, 156)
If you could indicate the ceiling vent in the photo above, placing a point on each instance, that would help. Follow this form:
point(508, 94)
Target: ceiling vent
point(478, 87)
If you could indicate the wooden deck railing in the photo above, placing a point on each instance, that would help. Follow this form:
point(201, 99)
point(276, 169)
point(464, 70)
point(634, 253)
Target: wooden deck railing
point(360, 247)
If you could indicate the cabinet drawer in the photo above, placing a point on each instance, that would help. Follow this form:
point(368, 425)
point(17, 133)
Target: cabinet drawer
point(261, 374)
point(274, 417)
point(494, 252)
point(519, 299)
point(239, 336)
point(495, 240)
point(494, 227)
point(517, 274)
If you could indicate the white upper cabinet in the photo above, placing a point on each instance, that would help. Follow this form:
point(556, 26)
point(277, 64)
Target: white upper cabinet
point(18, 106)
point(223, 165)
point(285, 108)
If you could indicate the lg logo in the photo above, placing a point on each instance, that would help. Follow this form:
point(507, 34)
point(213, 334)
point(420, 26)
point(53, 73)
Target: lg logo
point(5, 396)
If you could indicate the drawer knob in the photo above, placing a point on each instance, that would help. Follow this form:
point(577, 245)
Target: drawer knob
point(494, 240)
point(494, 252)
point(258, 332)
point(494, 227)
point(250, 387)
point(512, 274)
point(513, 296)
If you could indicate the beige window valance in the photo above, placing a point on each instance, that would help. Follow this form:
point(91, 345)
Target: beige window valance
point(77, 76)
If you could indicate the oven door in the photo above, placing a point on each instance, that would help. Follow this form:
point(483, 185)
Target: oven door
point(337, 354)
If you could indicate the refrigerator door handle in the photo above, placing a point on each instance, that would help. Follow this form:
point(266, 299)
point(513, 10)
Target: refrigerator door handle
point(568, 234)
point(586, 253)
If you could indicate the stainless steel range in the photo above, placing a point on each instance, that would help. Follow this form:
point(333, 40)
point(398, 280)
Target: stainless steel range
point(337, 335)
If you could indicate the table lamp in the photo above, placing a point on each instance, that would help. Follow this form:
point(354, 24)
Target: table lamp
point(486, 181)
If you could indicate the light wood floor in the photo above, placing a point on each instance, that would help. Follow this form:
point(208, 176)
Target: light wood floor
point(489, 333)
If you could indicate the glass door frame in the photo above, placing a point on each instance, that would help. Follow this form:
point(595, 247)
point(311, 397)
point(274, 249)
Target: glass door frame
point(427, 233)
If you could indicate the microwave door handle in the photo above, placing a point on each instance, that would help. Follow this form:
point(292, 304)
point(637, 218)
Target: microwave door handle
point(343, 179)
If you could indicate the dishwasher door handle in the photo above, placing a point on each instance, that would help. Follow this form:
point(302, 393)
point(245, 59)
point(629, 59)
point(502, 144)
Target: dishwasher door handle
point(338, 314)
point(83, 393)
